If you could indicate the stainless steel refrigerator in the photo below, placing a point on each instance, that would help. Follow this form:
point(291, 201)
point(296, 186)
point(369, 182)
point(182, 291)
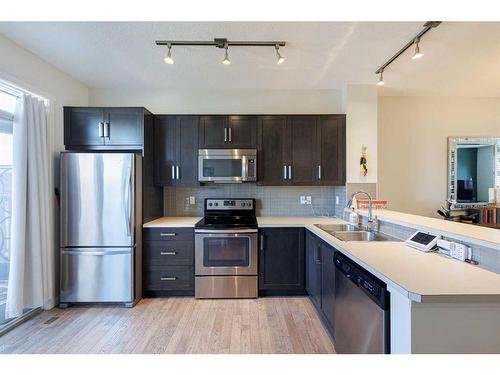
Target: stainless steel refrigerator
point(101, 217)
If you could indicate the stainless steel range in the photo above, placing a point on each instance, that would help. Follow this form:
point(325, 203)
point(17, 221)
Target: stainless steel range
point(226, 250)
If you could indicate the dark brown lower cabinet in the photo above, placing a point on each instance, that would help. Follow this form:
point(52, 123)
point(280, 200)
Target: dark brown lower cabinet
point(281, 261)
point(328, 286)
point(320, 276)
point(313, 269)
point(168, 261)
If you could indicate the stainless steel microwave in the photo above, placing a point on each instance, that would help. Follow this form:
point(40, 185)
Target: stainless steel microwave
point(227, 165)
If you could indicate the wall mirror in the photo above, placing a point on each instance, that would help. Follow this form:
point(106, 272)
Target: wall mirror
point(473, 169)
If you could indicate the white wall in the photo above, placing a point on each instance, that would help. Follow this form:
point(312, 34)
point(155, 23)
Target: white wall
point(360, 103)
point(413, 133)
point(242, 101)
point(30, 72)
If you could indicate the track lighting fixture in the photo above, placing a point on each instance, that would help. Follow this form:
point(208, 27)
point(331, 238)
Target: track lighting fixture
point(417, 54)
point(281, 59)
point(381, 79)
point(220, 43)
point(168, 57)
point(226, 60)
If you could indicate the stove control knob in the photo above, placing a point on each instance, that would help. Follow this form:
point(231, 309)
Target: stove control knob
point(210, 204)
point(216, 204)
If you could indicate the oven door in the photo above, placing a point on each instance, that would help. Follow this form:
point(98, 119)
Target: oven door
point(225, 252)
point(213, 168)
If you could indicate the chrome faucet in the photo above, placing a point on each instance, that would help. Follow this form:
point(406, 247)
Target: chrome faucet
point(372, 223)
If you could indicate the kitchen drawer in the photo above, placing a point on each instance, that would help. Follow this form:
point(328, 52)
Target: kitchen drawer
point(168, 253)
point(168, 278)
point(168, 234)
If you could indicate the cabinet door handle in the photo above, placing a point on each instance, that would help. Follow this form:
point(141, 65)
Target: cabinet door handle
point(177, 172)
point(262, 242)
point(167, 234)
point(230, 134)
point(289, 172)
point(225, 134)
point(168, 253)
point(284, 172)
point(106, 130)
point(319, 172)
point(101, 129)
point(173, 172)
point(173, 278)
point(318, 252)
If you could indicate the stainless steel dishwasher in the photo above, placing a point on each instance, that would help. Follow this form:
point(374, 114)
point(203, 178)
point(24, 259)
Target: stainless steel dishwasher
point(361, 320)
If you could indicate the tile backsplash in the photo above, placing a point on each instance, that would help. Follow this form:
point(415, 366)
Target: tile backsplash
point(271, 200)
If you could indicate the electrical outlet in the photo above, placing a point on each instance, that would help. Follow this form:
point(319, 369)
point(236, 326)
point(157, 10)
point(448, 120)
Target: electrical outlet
point(337, 199)
point(305, 199)
point(192, 200)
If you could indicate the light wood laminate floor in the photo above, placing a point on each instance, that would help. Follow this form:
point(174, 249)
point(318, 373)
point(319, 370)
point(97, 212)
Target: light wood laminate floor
point(176, 325)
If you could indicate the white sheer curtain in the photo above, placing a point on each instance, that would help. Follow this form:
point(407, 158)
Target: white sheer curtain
point(31, 272)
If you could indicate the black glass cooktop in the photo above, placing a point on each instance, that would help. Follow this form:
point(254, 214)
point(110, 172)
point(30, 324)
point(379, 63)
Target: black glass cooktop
point(226, 221)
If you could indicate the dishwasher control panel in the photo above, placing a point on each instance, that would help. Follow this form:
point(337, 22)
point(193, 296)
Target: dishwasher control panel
point(371, 285)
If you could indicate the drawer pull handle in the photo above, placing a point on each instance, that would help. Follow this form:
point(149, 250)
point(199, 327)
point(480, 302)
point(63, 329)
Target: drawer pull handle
point(168, 253)
point(167, 234)
point(168, 278)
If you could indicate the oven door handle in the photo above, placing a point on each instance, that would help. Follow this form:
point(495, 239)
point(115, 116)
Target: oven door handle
point(231, 231)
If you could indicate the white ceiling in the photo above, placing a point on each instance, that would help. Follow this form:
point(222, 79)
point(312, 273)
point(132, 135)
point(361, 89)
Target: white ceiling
point(460, 58)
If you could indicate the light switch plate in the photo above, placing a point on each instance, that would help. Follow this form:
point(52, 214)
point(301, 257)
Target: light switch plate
point(337, 199)
point(192, 200)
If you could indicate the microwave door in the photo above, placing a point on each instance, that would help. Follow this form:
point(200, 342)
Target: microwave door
point(97, 200)
point(221, 168)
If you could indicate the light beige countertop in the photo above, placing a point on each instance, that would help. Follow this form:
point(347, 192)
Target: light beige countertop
point(173, 222)
point(422, 277)
point(466, 232)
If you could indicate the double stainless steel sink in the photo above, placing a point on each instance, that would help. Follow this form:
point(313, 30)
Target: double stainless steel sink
point(349, 232)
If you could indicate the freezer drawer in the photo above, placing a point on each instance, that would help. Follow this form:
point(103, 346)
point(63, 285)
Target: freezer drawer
point(97, 275)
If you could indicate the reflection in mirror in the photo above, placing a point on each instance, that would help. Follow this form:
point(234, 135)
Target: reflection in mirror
point(474, 175)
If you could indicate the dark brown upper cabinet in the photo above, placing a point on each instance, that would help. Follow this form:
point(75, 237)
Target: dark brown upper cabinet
point(83, 126)
point(176, 150)
point(97, 128)
point(213, 132)
point(242, 131)
point(270, 150)
point(218, 131)
point(125, 126)
point(331, 150)
point(300, 150)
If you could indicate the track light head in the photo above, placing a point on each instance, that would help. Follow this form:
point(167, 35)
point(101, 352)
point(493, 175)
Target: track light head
point(168, 57)
point(381, 79)
point(281, 59)
point(417, 54)
point(226, 60)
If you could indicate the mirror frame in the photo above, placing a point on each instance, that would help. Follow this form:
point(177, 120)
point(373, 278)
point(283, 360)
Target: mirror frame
point(453, 143)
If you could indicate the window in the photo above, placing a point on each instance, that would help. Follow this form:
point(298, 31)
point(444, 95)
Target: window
point(7, 106)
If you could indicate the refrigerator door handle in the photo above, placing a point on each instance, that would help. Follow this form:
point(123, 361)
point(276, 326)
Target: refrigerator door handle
point(129, 203)
point(94, 253)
